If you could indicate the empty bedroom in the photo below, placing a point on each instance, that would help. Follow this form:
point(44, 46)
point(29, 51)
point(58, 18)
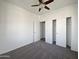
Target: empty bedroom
point(38, 29)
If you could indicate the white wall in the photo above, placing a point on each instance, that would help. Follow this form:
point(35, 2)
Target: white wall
point(60, 15)
point(16, 27)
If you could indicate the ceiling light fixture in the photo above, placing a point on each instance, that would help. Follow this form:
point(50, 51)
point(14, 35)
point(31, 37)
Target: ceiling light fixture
point(43, 4)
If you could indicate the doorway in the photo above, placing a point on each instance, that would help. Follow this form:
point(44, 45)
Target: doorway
point(42, 31)
point(68, 32)
point(54, 31)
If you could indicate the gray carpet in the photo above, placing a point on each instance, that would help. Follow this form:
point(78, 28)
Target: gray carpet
point(41, 50)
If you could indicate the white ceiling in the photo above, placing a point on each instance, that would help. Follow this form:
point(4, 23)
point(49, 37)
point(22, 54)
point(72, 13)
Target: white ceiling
point(53, 6)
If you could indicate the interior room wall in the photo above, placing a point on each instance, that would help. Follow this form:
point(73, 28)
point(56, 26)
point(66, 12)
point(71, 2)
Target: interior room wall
point(60, 15)
point(16, 27)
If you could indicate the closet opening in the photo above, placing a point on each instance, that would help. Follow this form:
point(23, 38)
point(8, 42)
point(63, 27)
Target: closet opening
point(54, 31)
point(42, 31)
point(68, 32)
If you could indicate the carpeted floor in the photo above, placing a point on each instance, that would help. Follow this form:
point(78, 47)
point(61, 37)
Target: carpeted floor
point(41, 50)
